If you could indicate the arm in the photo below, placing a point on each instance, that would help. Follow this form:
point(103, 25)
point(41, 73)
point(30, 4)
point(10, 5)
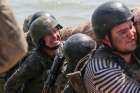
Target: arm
point(13, 45)
point(108, 78)
point(84, 28)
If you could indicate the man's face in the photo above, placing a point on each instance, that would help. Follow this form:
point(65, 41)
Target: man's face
point(124, 37)
point(53, 39)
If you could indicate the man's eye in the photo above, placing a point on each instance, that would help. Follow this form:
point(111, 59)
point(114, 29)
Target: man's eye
point(123, 32)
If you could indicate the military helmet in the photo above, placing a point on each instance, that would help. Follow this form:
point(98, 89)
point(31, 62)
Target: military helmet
point(76, 47)
point(108, 15)
point(25, 24)
point(35, 16)
point(42, 26)
point(28, 20)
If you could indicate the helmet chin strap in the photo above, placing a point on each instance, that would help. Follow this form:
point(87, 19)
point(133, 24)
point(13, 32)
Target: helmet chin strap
point(52, 48)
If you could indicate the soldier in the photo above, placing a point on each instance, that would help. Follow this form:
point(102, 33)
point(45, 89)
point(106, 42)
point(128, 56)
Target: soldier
point(114, 68)
point(76, 51)
point(31, 74)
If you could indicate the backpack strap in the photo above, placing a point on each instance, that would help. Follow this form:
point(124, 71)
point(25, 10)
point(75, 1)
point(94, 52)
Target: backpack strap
point(83, 62)
point(76, 78)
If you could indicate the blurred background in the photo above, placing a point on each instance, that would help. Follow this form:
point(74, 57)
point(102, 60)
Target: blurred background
point(67, 12)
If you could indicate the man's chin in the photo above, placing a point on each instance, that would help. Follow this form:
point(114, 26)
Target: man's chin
point(53, 47)
point(56, 44)
point(127, 52)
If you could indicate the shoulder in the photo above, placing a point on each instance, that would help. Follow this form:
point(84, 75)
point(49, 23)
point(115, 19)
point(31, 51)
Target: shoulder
point(32, 60)
point(101, 60)
point(34, 55)
point(100, 63)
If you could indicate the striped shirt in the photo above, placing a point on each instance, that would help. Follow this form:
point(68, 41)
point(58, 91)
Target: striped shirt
point(104, 76)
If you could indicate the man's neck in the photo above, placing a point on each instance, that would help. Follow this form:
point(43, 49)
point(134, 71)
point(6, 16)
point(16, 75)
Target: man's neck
point(51, 53)
point(126, 57)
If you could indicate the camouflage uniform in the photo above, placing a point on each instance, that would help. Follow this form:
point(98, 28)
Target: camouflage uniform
point(31, 74)
point(60, 81)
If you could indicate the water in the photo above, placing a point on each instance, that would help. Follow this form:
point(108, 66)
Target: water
point(67, 12)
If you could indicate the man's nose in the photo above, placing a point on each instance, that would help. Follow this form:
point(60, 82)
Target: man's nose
point(54, 35)
point(131, 33)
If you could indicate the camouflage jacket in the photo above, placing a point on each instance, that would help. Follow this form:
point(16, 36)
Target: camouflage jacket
point(30, 76)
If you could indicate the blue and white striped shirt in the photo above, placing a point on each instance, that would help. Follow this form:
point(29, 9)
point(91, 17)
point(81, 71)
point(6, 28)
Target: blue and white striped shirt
point(104, 76)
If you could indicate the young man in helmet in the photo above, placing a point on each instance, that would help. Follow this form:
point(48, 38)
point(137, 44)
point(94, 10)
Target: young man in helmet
point(114, 68)
point(77, 49)
point(30, 76)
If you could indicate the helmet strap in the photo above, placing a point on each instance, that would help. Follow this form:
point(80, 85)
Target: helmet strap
point(111, 42)
point(53, 48)
point(113, 48)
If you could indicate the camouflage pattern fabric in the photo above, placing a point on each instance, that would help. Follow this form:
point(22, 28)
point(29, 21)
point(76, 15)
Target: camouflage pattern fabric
point(32, 74)
point(133, 70)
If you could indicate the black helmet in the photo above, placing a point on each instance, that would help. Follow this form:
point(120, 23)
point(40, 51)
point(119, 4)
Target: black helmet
point(76, 47)
point(107, 15)
point(42, 26)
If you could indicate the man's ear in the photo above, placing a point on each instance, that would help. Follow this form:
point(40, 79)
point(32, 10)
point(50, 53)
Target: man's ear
point(106, 40)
